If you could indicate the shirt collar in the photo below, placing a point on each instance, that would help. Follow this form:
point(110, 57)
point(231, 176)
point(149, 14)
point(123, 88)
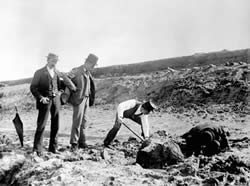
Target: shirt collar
point(138, 111)
point(85, 70)
point(50, 69)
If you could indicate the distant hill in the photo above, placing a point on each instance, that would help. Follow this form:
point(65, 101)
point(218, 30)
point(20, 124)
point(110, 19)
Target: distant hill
point(16, 82)
point(196, 60)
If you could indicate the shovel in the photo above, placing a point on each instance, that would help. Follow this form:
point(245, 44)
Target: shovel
point(132, 131)
point(19, 126)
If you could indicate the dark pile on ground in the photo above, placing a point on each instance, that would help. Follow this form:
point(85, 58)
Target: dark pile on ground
point(159, 151)
point(205, 86)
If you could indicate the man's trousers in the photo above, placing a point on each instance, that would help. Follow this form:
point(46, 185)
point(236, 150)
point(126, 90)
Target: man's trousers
point(79, 125)
point(53, 107)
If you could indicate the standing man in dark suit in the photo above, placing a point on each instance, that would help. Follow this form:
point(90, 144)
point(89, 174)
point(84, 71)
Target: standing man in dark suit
point(81, 99)
point(45, 87)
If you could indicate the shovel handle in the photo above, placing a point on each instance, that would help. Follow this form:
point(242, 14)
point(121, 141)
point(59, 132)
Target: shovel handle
point(133, 131)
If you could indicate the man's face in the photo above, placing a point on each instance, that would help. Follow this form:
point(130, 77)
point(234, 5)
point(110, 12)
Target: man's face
point(89, 66)
point(52, 62)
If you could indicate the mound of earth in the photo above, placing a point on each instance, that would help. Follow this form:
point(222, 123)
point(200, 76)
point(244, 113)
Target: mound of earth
point(206, 86)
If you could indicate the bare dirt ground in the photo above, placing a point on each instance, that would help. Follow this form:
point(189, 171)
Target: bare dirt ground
point(86, 167)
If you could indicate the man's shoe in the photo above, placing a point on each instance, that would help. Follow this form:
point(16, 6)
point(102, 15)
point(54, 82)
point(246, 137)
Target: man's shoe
point(108, 146)
point(82, 146)
point(74, 147)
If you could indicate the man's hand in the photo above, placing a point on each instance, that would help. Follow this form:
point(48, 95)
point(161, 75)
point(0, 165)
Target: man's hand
point(146, 142)
point(60, 92)
point(44, 100)
point(119, 120)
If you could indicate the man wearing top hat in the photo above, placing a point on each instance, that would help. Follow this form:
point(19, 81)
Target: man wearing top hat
point(46, 88)
point(134, 110)
point(81, 99)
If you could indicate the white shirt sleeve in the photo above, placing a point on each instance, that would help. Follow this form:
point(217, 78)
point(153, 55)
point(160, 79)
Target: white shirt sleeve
point(145, 125)
point(123, 106)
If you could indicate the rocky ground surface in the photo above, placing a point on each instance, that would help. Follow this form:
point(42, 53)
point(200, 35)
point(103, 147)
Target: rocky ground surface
point(119, 165)
point(211, 94)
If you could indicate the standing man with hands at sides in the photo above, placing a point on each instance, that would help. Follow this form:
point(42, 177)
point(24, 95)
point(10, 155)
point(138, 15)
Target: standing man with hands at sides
point(80, 99)
point(46, 88)
point(134, 110)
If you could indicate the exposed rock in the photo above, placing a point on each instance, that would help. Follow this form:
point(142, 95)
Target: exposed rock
point(111, 181)
point(114, 156)
point(233, 164)
point(10, 164)
point(158, 153)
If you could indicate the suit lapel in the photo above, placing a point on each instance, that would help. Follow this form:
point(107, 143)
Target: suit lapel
point(46, 73)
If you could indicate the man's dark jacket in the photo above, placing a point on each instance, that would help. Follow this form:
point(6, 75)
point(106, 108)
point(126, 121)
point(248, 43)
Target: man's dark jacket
point(41, 83)
point(78, 77)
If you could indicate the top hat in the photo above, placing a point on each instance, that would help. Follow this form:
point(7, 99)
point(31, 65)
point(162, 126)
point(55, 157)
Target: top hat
point(51, 55)
point(92, 58)
point(150, 105)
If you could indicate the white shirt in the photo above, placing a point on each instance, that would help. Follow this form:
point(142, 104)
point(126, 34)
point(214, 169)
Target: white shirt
point(51, 71)
point(126, 105)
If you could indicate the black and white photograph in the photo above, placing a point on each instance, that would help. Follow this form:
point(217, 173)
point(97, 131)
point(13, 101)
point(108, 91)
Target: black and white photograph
point(125, 93)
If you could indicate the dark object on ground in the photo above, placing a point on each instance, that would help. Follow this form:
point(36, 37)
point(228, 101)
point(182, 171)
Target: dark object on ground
point(205, 139)
point(19, 126)
point(158, 154)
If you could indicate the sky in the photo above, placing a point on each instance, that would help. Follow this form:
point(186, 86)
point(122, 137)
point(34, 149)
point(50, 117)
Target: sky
point(117, 31)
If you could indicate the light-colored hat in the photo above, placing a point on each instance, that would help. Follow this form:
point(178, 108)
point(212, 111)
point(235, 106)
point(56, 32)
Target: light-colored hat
point(153, 104)
point(51, 55)
point(92, 58)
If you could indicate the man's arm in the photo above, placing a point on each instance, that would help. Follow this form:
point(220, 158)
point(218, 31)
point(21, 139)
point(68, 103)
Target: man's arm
point(222, 138)
point(224, 142)
point(67, 80)
point(34, 86)
point(145, 126)
point(120, 111)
